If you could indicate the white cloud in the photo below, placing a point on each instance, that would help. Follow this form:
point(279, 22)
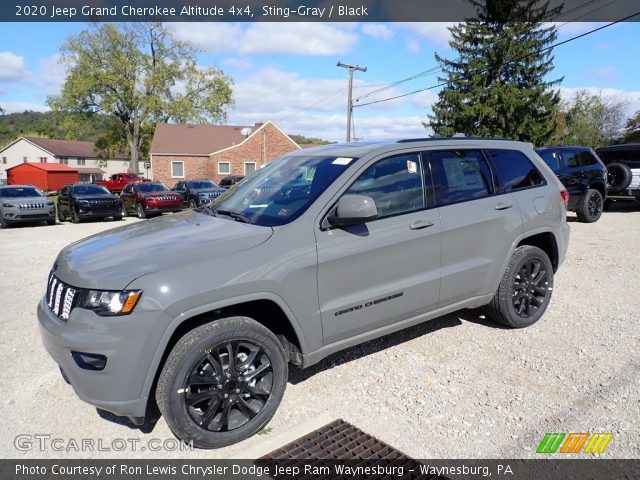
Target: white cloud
point(17, 107)
point(603, 73)
point(12, 67)
point(296, 38)
point(437, 32)
point(632, 99)
point(53, 74)
point(378, 31)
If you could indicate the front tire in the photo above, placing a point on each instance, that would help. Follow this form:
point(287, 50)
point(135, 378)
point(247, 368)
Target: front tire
point(75, 218)
point(525, 290)
point(591, 206)
point(61, 217)
point(222, 382)
point(140, 210)
point(192, 204)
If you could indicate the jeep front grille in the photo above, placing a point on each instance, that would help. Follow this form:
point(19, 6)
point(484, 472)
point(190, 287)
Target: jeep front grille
point(31, 206)
point(60, 297)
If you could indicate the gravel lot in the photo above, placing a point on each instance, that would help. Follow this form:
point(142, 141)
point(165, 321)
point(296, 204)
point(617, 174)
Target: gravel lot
point(454, 387)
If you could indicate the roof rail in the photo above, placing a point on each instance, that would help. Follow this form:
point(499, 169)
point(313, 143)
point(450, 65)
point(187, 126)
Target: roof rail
point(455, 137)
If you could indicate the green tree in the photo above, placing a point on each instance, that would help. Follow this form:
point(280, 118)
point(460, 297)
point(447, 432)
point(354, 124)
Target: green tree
point(590, 119)
point(139, 74)
point(632, 129)
point(497, 86)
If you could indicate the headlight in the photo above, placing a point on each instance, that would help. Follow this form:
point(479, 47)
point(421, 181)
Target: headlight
point(84, 203)
point(8, 205)
point(50, 203)
point(107, 303)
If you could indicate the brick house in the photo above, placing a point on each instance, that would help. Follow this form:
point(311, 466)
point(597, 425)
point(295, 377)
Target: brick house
point(180, 151)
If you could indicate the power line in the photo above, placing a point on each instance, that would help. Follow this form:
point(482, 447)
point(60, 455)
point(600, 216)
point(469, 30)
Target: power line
point(512, 61)
point(435, 69)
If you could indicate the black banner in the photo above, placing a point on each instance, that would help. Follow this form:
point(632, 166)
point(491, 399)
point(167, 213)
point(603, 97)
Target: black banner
point(291, 11)
point(543, 469)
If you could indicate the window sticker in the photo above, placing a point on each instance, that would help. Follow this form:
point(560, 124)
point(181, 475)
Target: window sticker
point(342, 161)
point(412, 167)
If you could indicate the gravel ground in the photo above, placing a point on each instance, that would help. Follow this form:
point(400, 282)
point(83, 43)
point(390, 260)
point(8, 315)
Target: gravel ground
point(454, 387)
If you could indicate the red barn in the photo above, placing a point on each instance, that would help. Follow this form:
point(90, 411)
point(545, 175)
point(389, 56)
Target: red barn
point(45, 176)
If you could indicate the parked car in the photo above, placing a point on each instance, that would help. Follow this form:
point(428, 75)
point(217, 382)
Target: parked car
point(87, 200)
point(196, 193)
point(24, 203)
point(118, 181)
point(583, 174)
point(230, 180)
point(207, 308)
point(623, 169)
point(146, 199)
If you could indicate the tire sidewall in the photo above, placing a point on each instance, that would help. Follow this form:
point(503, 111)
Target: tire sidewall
point(140, 211)
point(514, 319)
point(585, 207)
point(181, 422)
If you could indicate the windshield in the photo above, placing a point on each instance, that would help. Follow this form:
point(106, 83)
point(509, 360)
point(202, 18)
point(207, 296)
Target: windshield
point(152, 187)
point(201, 184)
point(90, 190)
point(280, 192)
point(18, 192)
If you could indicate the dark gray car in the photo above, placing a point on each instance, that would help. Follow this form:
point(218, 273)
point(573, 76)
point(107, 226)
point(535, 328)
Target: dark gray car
point(24, 203)
point(206, 310)
point(196, 193)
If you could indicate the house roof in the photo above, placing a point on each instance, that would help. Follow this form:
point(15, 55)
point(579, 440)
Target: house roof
point(67, 148)
point(49, 167)
point(90, 170)
point(188, 139)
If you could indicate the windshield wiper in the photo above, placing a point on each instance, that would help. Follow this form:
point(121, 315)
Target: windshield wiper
point(235, 215)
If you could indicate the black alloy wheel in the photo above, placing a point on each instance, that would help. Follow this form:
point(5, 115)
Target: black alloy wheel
point(594, 205)
point(530, 288)
point(228, 386)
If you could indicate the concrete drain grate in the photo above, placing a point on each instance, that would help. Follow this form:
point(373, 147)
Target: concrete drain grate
point(357, 451)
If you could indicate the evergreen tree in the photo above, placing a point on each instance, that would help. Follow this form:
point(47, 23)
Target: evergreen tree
point(497, 86)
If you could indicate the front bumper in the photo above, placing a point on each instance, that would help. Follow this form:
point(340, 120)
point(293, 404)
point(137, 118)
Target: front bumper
point(92, 212)
point(148, 208)
point(128, 342)
point(19, 215)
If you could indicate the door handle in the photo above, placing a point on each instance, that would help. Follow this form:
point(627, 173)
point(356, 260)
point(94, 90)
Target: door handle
point(503, 206)
point(420, 224)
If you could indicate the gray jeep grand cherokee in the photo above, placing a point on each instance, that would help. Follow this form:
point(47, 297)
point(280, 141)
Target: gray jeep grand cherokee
point(24, 203)
point(320, 250)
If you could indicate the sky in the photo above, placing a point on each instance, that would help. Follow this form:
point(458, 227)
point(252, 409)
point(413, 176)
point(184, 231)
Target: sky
point(287, 73)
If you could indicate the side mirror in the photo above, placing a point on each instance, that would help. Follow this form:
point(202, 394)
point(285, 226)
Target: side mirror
point(353, 210)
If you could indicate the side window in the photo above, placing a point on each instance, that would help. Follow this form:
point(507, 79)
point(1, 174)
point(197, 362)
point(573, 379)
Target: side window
point(460, 175)
point(570, 158)
point(395, 184)
point(586, 158)
point(551, 158)
point(515, 170)
point(128, 188)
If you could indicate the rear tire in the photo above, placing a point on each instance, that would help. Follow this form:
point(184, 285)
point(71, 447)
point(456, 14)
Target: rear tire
point(591, 206)
point(525, 290)
point(222, 382)
point(61, 217)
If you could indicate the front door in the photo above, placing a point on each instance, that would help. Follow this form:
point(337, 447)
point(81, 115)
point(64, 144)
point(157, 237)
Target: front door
point(386, 270)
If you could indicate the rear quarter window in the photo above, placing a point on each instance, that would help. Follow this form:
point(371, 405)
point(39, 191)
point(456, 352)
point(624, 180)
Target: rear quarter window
point(514, 170)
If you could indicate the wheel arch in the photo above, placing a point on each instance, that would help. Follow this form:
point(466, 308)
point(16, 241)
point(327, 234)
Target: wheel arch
point(546, 241)
point(267, 309)
point(600, 187)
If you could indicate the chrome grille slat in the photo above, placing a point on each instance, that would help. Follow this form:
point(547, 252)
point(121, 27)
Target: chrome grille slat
point(60, 297)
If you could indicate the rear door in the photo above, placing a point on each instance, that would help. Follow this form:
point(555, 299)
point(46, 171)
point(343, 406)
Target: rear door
point(384, 271)
point(478, 222)
point(64, 200)
point(128, 196)
point(573, 176)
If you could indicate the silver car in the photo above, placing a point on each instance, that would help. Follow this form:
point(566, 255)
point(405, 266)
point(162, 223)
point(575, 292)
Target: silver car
point(24, 203)
point(322, 249)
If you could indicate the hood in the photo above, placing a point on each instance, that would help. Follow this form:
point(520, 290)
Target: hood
point(159, 194)
point(24, 200)
point(111, 260)
point(94, 196)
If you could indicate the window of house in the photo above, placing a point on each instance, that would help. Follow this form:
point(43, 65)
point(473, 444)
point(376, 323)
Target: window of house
point(42, 159)
point(249, 167)
point(177, 169)
point(515, 170)
point(64, 160)
point(395, 184)
point(81, 161)
point(25, 159)
point(460, 176)
point(4, 160)
point(224, 168)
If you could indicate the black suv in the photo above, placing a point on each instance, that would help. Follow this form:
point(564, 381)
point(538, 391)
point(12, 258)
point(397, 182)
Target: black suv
point(623, 170)
point(583, 174)
point(87, 200)
point(196, 193)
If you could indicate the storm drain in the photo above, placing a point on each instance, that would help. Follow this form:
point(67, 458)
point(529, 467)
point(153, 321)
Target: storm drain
point(341, 451)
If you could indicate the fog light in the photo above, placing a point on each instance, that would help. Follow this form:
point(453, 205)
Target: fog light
point(89, 361)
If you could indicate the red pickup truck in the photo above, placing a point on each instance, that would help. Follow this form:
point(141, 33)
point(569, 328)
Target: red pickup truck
point(117, 181)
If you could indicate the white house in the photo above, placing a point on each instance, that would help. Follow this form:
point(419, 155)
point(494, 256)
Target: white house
point(81, 155)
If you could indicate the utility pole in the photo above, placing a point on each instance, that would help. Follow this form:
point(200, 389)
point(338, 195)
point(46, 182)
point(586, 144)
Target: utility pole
point(351, 68)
